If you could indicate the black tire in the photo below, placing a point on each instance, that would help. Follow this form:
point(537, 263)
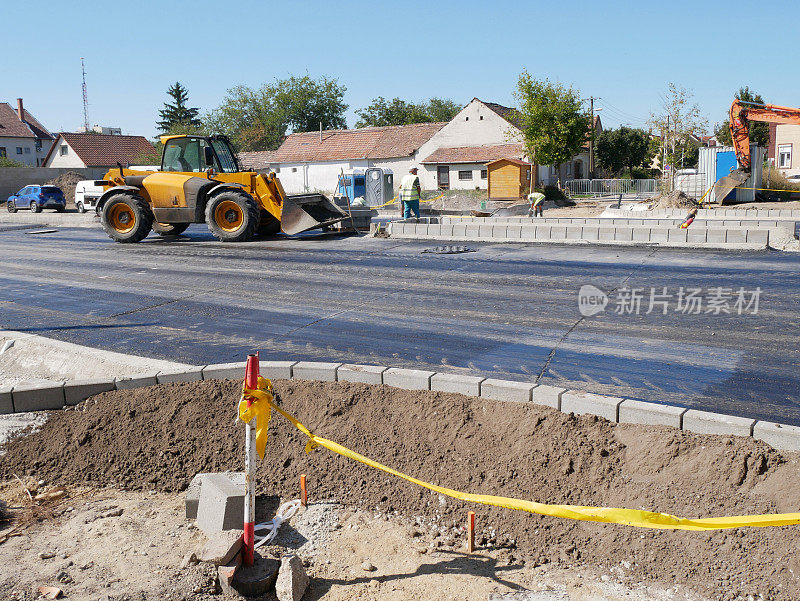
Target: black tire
point(169, 229)
point(268, 225)
point(232, 216)
point(80, 207)
point(60, 209)
point(35, 208)
point(117, 213)
point(11, 207)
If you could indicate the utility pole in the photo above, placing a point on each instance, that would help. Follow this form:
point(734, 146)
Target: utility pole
point(85, 100)
point(591, 139)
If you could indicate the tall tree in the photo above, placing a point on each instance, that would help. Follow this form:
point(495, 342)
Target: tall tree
point(621, 148)
point(759, 132)
point(399, 112)
point(259, 119)
point(677, 122)
point(177, 113)
point(553, 121)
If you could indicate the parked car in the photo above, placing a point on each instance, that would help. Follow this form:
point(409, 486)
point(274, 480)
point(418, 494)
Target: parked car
point(87, 193)
point(795, 179)
point(36, 198)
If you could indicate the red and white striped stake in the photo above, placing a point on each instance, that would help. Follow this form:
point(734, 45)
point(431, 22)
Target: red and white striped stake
point(248, 539)
point(471, 532)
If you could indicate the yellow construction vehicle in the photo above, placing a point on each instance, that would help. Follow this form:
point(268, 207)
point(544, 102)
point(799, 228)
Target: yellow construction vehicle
point(200, 181)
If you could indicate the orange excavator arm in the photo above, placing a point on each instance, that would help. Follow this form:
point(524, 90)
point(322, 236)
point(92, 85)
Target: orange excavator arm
point(741, 113)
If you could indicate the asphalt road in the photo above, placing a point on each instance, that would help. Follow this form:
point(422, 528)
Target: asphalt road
point(508, 311)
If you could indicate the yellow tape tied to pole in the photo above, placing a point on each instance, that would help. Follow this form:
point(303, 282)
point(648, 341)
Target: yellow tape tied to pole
point(263, 404)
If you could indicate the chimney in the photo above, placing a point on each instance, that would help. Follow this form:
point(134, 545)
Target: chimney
point(20, 110)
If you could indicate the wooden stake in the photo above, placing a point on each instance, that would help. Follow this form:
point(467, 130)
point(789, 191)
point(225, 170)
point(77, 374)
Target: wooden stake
point(303, 491)
point(471, 532)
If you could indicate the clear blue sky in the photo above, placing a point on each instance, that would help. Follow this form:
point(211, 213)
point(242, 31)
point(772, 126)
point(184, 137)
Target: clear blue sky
point(624, 52)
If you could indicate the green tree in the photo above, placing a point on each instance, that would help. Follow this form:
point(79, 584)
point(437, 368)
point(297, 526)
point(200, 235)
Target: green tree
point(621, 148)
point(259, 119)
point(553, 121)
point(759, 132)
point(177, 113)
point(679, 120)
point(6, 162)
point(399, 112)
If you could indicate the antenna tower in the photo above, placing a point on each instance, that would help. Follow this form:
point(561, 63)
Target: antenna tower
point(85, 100)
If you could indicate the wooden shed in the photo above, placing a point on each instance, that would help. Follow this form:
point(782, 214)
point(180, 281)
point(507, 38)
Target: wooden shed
point(509, 179)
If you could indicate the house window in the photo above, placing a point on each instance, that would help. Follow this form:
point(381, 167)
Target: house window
point(484, 173)
point(63, 150)
point(785, 156)
point(38, 146)
point(480, 118)
point(19, 149)
point(465, 175)
point(27, 150)
point(466, 118)
point(294, 169)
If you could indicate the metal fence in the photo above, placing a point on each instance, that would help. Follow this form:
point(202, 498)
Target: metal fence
point(612, 187)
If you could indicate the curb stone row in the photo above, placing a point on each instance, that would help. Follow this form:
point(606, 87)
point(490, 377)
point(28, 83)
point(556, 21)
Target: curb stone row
point(51, 396)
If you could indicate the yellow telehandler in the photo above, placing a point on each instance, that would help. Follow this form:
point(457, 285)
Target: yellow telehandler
point(200, 181)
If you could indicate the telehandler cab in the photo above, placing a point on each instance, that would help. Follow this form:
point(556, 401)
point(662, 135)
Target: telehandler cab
point(200, 181)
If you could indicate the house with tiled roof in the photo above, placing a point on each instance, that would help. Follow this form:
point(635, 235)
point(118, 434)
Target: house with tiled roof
point(81, 150)
point(22, 137)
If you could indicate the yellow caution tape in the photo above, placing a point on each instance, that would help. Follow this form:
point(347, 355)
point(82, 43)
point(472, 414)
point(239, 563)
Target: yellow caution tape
point(610, 515)
point(261, 409)
point(395, 198)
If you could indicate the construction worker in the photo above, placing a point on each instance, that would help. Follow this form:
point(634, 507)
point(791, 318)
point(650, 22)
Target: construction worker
point(410, 192)
point(537, 201)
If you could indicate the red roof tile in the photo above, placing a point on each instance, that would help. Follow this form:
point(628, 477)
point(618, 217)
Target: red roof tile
point(103, 150)
point(476, 154)
point(10, 125)
point(257, 159)
point(364, 143)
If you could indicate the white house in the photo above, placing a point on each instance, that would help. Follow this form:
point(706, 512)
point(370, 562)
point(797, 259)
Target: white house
point(22, 138)
point(784, 145)
point(80, 150)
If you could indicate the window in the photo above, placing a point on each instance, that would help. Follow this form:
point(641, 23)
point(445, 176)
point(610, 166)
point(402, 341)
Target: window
point(466, 118)
point(19, 149)
point(182, 155)
point(38, 146)
point(63, 150)
point(465, 175)
point(785, 156)
point(27, 150)
point(480, 118)
point(484, 173)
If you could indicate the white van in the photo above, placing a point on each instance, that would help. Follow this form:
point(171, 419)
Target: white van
point(87, 193)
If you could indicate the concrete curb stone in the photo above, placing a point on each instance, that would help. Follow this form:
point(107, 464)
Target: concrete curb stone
point(139, 381)
point(224, 371)
point(193, 374)
point(632, 411)
point(6, 400)
point(410, 379)
point(221, 504)
point(35, 397)
point(275, 370)
point(77, 391)
point(579, 403)
point(779, 436)
point(550, 396)
point(192, 495)
point(506, 390)
point(315, 370)
point(368, 374)
point(469, 385)
point(706, 422)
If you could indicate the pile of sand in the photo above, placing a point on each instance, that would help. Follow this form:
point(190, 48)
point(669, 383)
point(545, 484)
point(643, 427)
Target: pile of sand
point(67, 182)
point(159, 437)
point(676, 199)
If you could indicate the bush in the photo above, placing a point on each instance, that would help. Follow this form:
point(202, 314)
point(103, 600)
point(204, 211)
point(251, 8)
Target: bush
point(552, 193)
point(6, 162)
point(778, 181)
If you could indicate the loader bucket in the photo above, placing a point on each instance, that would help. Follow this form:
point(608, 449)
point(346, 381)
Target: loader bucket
point(725, 185)
point(303, 212)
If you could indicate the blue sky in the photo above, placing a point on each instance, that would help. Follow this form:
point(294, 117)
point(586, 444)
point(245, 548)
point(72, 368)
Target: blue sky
point(624, 52)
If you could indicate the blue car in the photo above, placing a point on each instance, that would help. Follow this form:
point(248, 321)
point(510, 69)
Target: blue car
point(36, 198)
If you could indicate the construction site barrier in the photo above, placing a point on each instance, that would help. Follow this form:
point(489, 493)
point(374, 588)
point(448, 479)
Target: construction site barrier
point(263, 403)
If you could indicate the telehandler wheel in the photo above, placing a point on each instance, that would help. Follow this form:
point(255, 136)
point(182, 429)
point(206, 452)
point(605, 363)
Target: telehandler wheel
point(268, 225)
point(232, 216)
point(127, 218)
point(169, 229)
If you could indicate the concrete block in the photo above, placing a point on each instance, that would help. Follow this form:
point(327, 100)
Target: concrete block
point(606, 233)
point(192, 495)
point(696, 235)
point(705, 422)
point(314, 370)
point(736, 237)
point(658, 234)
point(470, 385)
point(6, 402)
point(500, 231)
point(434, 230)
point(369, 374)
point(591, 233)
point(459, 230)
point(558, 232)
point(224, 371)
point(77, 391)
point(221, 504)
point(641, 234)
point(38, 397)
point(139, 381)
point(410, 379)
point(676, 234)
point(485, 231)
point(758, 237)
point(632, 411)
point(527, 232)
point(222, 547)
point(779, 436)
point(514, 231)
point(573, 401)
point(715, 235)
point(276, 370)
point(574, 232)
point(473, 231)
point(506, 390)
point(193, 374)
point(543, 232)
point(623, 234)
point(549, 396)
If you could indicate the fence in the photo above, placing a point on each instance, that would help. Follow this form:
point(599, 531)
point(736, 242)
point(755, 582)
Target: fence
point(612, 187)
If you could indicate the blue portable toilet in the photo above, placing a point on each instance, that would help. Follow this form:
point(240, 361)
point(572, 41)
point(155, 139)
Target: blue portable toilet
point(352, 184)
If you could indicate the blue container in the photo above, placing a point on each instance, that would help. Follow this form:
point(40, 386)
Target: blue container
point(352, 184)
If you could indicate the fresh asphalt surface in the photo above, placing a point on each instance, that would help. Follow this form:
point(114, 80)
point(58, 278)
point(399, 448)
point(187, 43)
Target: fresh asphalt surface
point(506, 310)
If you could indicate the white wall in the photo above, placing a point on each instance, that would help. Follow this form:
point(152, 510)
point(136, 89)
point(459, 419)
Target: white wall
point(548, 176)
point(429, 174)
point(28, 146)
point(310, 177)
point(788, 134)
point(69, 160)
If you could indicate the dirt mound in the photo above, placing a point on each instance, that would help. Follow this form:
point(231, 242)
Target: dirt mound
point(161, 436)
point(676, 199)
point(67, 182)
